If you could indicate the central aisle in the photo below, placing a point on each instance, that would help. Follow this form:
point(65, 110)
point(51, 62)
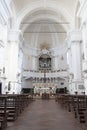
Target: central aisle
point(46, 115)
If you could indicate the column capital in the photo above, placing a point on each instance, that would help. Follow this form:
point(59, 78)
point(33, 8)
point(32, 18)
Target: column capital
point(14, 35)
point(75, 36)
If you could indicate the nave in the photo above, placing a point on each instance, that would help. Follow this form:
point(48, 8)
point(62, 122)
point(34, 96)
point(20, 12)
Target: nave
point(46, 115)
point(43, 53)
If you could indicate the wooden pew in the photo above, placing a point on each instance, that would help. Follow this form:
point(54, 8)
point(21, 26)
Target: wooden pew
point(3, 112)
point(81, 101)
point(74, 103)
point(12, 107)
point(79, 107)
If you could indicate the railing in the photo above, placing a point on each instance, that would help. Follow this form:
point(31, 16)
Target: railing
point(40, 74)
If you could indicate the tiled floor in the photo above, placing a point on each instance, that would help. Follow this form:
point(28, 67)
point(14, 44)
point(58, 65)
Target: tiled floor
point(46, 115)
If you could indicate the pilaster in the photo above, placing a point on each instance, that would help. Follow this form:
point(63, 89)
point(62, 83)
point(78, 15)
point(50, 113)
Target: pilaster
point(75, 67)
point(13, 58)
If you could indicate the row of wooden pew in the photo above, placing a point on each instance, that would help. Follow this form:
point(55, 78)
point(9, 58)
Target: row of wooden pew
point(11, 106)
point(77, 104)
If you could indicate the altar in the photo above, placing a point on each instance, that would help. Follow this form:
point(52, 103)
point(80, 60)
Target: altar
point(41, 88)
point(45, 95)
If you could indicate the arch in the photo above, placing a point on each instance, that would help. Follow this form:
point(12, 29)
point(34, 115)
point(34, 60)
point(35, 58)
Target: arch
point(54, 6)
point(42, 18)
point(54, 36)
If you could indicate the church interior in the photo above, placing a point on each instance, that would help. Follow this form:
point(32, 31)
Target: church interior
point(43, 64)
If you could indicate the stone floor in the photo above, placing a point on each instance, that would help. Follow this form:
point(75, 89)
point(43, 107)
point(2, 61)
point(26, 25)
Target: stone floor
point(46, 115)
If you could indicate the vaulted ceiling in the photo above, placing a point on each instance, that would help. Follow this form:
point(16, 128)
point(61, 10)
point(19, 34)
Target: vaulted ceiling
point(69, 5)
point(45, 21)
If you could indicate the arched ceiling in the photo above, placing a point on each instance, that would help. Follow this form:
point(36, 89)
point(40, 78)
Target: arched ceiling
point(44, 26)
point(45, 21)
point(65, 7)
point(68, 4)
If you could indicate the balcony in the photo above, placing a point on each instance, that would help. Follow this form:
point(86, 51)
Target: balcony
point(49, 74)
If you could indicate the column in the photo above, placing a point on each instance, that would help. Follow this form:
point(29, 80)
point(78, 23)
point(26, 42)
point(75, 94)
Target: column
point(56, 63)
point(76, 74)
point(69, 60)
point(34, 63)
point(12, 59)
point(53, 63)
point(84, 35)
point(20, 53)
point(84, 62)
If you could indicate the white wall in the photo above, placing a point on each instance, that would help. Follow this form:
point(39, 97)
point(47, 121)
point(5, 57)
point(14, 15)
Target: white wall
point(27, 83)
